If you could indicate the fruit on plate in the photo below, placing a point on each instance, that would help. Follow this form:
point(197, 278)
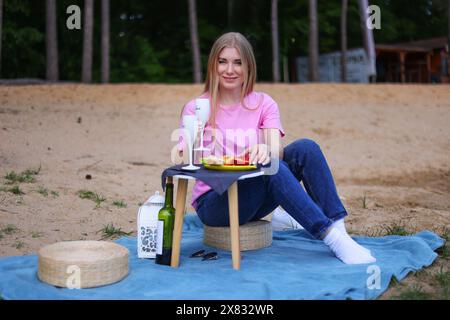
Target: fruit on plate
point(213, 160)
point(227, 160)
point(241, 160)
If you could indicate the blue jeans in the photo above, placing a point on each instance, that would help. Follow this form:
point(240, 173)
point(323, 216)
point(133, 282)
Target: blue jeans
point(315, 209)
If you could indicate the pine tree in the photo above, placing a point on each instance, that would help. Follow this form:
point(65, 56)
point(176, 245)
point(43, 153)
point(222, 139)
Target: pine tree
point(196, 65)
point(105, 41)
point(88, 29)
point(344, 40)
point(275, 42)
point(313, 71)
point(51, 39)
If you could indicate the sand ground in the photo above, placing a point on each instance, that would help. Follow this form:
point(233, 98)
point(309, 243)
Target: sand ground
point(388, 147)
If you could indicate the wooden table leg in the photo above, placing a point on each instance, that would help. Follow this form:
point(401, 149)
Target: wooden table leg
point(234, 225)
point(180, 206)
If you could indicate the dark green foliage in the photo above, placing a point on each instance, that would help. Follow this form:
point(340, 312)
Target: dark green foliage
point(111, 232)
point(150, 40)
point(408, 20)
point(23, 39)
point(25, 176)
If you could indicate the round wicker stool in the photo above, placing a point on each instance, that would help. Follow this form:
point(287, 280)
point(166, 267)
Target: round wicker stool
point(253, 235)
point(82, 264)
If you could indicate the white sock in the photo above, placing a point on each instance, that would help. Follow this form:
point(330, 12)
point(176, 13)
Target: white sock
point(340, 225)
point(346, 249)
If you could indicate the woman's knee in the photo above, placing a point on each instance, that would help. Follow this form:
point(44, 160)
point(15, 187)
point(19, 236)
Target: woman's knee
point(299, 148)
point(306, 144)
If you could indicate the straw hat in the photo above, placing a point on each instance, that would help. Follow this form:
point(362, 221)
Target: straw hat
point(253, 235)
point(82, 264)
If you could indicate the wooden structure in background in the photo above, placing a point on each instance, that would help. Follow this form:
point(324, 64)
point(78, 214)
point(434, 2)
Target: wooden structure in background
point(424, 61)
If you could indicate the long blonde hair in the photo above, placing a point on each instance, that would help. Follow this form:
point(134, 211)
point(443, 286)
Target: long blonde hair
point(240, 43)
point(229, 40)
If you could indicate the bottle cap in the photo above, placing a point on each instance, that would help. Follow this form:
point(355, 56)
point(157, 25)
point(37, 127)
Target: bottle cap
point(156, 200)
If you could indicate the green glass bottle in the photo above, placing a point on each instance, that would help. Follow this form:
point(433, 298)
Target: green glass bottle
point(166, 218)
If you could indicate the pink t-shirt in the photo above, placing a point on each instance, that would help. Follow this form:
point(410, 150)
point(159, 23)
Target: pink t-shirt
point(237, 127)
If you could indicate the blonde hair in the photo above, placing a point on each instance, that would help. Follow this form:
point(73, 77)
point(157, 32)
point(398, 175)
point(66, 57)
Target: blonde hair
point(241, 44)
point(211, 90)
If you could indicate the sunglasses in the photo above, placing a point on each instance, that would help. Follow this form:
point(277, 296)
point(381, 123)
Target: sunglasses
point(205, 256)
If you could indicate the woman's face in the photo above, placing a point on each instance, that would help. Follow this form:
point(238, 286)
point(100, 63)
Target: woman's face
point(230, 69)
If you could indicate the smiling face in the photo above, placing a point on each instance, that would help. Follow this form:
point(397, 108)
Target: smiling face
point(230, 70)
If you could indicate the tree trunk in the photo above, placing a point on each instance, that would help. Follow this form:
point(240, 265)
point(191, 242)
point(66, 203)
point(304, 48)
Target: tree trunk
point(230, 9)
point(369, 43)
point(344, 40)
point(105, 41)
point(313, 74)
point(51, 41)
point(1, 24)
point(197, 70)
point(87, 40)
point(448, 23)
point(275, 43)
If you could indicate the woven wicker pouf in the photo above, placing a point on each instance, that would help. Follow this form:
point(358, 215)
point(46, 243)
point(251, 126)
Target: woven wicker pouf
point(82, 264)
point(253, 235)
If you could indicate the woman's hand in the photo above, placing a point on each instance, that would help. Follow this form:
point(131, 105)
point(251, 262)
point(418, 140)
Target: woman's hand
point(259, 153)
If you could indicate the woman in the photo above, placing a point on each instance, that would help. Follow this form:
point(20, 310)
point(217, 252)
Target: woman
point(245, 122)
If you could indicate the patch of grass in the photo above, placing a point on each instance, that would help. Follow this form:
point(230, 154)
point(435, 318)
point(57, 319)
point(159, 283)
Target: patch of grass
point(32, 172)
point(25, 176)
point(35, 234)
point(43, 191)
point(19, 245)
point(443, 280)
point(109, 231)
point(16, 190)
point(86, 194)
point(364, 202)
point(120, 204)
point(414, 292)
point(443, 251)
point(9, 229)
point(394, 229)
point(394, 282)
point(440, 282)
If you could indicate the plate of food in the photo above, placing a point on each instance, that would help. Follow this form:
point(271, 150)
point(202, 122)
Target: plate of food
point(227, 163)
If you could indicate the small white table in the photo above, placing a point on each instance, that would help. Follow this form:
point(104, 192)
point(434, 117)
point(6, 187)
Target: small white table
point(180, 206)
